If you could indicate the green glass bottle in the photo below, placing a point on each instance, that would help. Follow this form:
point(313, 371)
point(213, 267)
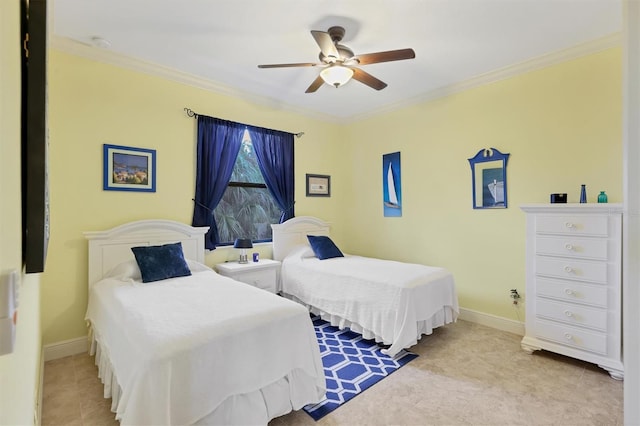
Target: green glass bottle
point(602, 197)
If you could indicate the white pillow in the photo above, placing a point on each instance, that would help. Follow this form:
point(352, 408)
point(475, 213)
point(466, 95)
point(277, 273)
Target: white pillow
point(307, 252)
point(197, 266)
point(303, 251)
point(125, 270)
point(129, 270)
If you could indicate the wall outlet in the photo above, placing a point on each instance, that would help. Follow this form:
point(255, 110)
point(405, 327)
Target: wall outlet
point(515, 296)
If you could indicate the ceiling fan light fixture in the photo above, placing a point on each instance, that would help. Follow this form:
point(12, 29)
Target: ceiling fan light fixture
point(339, 64)
point(336, 75)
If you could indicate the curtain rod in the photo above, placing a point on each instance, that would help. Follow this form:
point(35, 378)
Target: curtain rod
point(192, 113)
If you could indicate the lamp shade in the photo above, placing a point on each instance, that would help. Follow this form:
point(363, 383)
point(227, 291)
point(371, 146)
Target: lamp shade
point(243, 243)
point(336, 75)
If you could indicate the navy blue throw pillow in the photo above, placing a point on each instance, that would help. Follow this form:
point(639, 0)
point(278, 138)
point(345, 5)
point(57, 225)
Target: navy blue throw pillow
point(323, 247)
point(161, 262)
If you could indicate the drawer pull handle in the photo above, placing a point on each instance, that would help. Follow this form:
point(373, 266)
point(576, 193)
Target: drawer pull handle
point(568, 313)
point(568, 269)
point(569, 225)
point(568, 246)
point(569, 292)
point(568, 336)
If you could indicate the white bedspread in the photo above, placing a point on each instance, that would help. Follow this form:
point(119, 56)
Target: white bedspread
point(393, 302)
point(180, 347)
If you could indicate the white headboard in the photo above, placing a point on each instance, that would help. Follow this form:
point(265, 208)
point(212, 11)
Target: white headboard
point(293, 232)
point(113, 246)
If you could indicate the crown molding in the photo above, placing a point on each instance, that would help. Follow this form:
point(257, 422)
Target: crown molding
point(106, 56)
point(543, 61)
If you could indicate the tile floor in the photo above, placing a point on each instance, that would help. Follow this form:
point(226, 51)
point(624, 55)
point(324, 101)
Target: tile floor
point(466, 374)
point(73, 394)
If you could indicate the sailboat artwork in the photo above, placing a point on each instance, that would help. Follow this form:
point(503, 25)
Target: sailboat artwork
point(392, 194)
point(391, 200)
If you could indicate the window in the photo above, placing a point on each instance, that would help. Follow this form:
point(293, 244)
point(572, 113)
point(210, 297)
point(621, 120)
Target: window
point(247, 208)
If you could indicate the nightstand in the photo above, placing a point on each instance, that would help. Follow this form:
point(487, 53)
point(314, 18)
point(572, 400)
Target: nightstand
point(262, 274)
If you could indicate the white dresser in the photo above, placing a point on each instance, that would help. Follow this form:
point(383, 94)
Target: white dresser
point(573, 288)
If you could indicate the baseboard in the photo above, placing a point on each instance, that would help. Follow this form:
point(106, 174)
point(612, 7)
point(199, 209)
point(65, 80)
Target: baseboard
point(492, 321)
point(65, 348)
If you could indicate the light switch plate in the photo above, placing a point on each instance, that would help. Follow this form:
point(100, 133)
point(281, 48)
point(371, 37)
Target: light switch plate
point(8, 308)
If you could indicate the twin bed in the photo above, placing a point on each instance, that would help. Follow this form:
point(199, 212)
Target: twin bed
point(200, 348)
point(392, 302)
point(196, 349)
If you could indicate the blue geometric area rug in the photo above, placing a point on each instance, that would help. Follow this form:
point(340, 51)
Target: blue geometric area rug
point(351, 365)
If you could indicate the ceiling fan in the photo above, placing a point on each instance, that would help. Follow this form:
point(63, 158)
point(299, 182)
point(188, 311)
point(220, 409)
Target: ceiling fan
point(339, 62)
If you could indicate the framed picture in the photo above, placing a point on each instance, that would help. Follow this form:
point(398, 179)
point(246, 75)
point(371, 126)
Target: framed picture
point(318, 185)
point(129, 169)
point(391, 185)
point(35, 137)
point(489, 179)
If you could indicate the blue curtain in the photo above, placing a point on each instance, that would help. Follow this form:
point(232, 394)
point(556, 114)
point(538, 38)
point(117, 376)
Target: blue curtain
point(274, 150)
point(219, 142)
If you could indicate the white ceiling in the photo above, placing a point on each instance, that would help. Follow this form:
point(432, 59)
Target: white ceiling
point(223, 41)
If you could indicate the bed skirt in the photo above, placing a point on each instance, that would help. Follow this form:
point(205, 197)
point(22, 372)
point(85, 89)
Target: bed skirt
point(253, 408)
point(444, 316)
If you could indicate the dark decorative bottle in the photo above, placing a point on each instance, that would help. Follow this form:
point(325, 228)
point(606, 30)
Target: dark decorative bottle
point(602, 197)
point(583, 193)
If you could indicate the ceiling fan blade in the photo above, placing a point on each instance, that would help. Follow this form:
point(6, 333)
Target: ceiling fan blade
point(315, 85)
point(388, 56)
point(368, 79)
point(301, 64)
point(326, 44)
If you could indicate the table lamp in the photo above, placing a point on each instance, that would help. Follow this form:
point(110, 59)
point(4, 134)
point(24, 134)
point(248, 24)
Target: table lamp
point(243, 244)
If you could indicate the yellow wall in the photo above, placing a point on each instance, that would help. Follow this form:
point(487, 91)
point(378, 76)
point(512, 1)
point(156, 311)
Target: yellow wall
point(560, 124)
point(90, 104)
point(562, 128)
point(19, 371)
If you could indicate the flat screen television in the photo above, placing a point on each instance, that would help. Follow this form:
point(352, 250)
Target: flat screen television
point(34, 149)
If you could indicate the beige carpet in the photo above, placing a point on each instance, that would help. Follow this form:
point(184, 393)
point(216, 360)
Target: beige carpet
point(466, 374)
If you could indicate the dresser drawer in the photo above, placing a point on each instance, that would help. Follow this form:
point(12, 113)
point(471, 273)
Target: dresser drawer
point(572, 225)
point(573, 314)
point(590, 248)
point(572, 291)
point(585, 270)
point(264, 279)
point(572, 336)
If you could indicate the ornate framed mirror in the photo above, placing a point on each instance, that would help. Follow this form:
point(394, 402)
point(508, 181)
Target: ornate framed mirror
point(489, 179)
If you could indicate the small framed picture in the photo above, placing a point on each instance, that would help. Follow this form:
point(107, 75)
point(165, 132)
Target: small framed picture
point(318, 185)
point(129, 169)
